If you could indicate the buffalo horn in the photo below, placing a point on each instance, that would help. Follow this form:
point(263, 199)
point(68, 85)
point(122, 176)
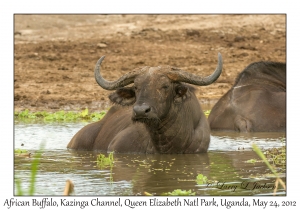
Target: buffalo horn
point(113, 85)
point(183, 76)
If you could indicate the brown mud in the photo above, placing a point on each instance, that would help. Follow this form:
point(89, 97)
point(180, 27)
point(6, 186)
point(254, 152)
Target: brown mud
point(55, 55)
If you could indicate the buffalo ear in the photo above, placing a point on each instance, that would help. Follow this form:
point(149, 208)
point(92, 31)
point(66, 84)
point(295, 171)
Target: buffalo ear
point(124, 96)
point(181, 93)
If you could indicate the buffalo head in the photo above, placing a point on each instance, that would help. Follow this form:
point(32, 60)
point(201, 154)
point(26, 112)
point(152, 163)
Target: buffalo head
point(155, 89)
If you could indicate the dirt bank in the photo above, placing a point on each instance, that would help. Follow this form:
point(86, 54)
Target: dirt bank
point(55, 55)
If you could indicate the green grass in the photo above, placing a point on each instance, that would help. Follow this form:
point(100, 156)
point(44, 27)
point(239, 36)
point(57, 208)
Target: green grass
point(206, 112)
point(63, 116)
point(59, 116)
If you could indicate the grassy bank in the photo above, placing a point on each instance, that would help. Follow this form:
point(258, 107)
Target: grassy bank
point(59, 116)
point(63, 116)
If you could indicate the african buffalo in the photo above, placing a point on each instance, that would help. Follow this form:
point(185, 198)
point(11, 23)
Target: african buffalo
point(158, 114)
point(255, 103)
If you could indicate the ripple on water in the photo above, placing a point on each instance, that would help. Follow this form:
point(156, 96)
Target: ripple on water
point(135, 174)
point(230, 141)
point(55, 135)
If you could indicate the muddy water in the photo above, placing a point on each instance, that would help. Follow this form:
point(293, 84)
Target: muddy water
point(224, 165)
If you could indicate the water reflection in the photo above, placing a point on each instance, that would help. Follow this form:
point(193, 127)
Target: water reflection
point(232, 141)
point(157, 174)
point(224, 165)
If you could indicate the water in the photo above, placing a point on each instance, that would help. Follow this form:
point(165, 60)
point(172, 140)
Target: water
point(224, 165)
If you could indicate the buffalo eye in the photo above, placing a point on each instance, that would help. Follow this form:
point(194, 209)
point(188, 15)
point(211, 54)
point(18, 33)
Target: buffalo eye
point(165, 87)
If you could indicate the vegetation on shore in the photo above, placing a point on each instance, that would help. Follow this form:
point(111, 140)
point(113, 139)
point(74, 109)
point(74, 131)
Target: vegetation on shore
point(63, 116)
point(59, 116)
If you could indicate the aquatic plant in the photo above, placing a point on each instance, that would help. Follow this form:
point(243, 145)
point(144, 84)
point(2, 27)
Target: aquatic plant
point(201, 179)
point(103, 161)
point(59, 116)
point(263, 157)
point(252, 161)
point(180, 192)
point(20, 151)
point(34, 169)
point(177, 192)
point(277, 155)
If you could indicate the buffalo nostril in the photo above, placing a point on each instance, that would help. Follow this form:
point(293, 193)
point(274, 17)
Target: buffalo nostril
point(141, 110)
